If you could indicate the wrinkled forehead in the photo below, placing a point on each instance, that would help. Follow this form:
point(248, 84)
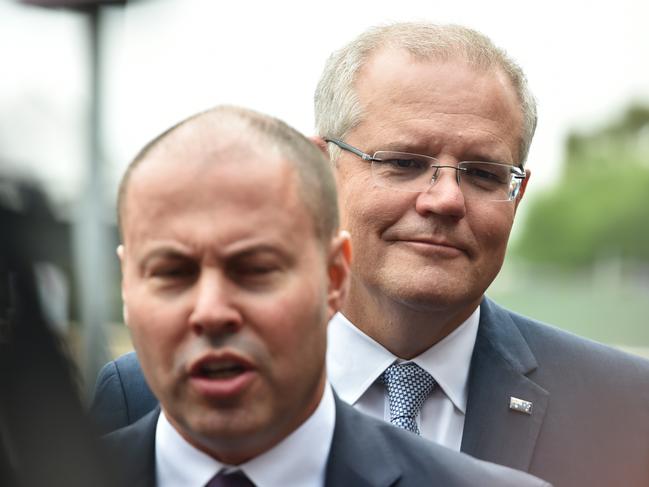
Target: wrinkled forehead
point(450, 96)
point(389, 71)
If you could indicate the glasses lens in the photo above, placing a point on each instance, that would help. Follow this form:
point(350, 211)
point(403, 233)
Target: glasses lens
point(488, 181)
point(402, 171)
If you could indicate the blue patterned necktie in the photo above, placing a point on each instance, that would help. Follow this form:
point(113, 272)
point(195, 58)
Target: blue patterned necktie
point(231, 479)
point(408, 386)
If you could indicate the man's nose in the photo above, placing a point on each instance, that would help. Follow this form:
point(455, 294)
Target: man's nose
point(443, 196)
point(214, 309)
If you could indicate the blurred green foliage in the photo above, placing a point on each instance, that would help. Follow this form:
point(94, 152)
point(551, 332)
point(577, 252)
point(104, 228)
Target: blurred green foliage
point(600, 209)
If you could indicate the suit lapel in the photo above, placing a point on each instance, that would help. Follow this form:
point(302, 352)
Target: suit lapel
point(135, 447)
point(501, 363)
point(359, 456)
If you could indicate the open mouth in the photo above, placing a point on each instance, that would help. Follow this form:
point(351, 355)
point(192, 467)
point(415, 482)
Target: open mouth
point(221, 376)
point(219, 370)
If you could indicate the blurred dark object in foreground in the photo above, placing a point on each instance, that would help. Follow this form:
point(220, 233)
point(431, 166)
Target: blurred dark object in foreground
point(45, 438)
point(72, 3)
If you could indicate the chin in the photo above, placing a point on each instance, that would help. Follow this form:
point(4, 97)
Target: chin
point(426, 302)
point(435, 295)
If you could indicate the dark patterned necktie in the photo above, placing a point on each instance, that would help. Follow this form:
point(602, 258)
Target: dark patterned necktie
point(408, 386)
point(231, 479)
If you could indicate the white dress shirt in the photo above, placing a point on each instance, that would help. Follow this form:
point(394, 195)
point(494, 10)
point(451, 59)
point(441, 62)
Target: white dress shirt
point(355, 362)
point(300, 459)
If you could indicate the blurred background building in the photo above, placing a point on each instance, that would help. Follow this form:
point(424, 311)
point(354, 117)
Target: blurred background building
point(82, 91)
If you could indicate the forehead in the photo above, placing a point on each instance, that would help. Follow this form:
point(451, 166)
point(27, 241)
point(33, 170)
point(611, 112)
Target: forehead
point(205, 198)
point(441, 101)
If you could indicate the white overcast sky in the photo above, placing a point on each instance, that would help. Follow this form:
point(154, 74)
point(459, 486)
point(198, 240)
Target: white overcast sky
point(166, 59)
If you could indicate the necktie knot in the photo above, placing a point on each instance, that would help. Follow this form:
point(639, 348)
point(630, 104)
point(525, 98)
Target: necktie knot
point(230, 479)
point(408, 386)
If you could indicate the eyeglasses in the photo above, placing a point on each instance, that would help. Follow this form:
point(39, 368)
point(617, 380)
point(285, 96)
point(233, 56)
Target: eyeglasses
point(486, 181)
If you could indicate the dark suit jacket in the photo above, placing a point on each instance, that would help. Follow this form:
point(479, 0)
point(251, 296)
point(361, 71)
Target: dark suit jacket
point(364, 453)
point(589, 424)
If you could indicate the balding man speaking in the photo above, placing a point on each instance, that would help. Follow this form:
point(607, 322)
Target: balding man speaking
point(428, 128)
point(232, 266)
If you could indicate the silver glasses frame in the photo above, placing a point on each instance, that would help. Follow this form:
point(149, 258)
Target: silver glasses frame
point(518, 172)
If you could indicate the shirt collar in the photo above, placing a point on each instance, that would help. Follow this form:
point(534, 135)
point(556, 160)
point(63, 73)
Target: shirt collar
point(306, 448)
point(355, 361)
point(178, 462)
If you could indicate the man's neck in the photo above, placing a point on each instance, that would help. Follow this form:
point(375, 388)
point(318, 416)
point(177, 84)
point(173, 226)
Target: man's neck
point(181, 462)
point(405, 329)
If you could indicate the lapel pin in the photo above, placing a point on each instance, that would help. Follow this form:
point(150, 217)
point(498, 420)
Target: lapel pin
point(520, 405)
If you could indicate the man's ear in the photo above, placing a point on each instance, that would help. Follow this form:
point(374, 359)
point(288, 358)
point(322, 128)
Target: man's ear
point(521, 191)
point(321, 144)
point(122, 261)
point(340, 256)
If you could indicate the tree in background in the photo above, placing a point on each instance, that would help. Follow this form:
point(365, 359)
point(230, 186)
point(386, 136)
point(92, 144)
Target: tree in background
point(600, 209)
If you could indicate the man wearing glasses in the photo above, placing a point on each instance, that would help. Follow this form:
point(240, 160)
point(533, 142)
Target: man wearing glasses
point(428, 128)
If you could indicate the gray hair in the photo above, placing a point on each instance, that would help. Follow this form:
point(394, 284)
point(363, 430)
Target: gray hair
point(271, 137)
point(337, 108)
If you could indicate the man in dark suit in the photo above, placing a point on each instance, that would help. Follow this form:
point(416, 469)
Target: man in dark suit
point(232, 266)
point(428, 128)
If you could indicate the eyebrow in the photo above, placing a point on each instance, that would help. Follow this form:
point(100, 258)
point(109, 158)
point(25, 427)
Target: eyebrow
point(174, 253)
point(402, 146)
point(261, 249)
point(490, 153)
point(162, 253)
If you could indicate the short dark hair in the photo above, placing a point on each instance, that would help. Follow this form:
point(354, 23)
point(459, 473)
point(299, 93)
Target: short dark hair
point(316, 181)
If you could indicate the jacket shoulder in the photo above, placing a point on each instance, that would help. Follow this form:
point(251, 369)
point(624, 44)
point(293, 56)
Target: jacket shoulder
point(121, 395)
point(132, 450)
point(375, 444)
point(565, 348)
